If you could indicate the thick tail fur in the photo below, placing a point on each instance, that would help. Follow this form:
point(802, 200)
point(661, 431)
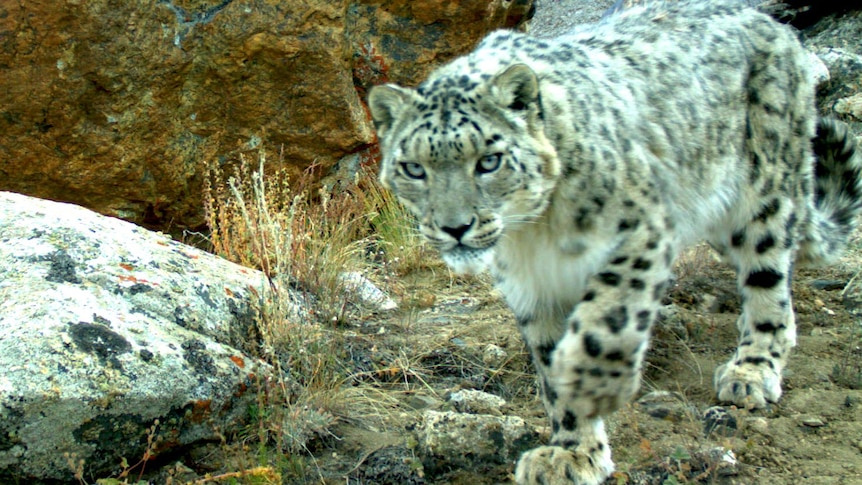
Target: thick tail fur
point(838, 194)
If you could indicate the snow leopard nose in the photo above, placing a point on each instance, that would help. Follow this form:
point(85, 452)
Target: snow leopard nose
point(458, 232)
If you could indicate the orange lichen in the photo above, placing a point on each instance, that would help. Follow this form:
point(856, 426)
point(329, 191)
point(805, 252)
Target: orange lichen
point(238, 361)
point(370, 157)
point(200, 410)
point(133, 279)
point(369, 69)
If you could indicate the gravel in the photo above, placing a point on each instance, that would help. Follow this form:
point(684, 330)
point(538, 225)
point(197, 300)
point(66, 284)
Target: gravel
point(555, 17)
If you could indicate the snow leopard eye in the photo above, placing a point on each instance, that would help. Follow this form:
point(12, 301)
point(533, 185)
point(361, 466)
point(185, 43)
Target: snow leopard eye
point(489, 163)
point(413, 170)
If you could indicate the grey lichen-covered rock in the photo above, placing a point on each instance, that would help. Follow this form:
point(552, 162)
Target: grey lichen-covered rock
point(477, 402)
point(835, 40)
point(450, 439)
point(391, 464)
point(106, 327)
point(494, 356)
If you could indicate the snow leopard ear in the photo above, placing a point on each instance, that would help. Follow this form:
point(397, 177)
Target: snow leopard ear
point(516, 88)
point(386, 103)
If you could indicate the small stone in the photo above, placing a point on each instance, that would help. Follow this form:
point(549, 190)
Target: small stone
point(851, 105)
point(828, 285)
point(494, 356)
point(391, 464)
point(670, 406)
point(670, 322)
point(758, 423)
point(419, 402)
point(367, 293)
point(477, 402)
point(725, 460)
point(813, 421)
point(708, 304)
point(717, 420)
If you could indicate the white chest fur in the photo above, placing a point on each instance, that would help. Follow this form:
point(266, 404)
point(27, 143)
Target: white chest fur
point(540, 279)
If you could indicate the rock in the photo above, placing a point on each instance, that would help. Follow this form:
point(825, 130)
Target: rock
point(666, 405)
point(718, 420)
point(494, 356)
point(402, 41)
point(477, 402)
point(758, 424)
point(724, 461)
point(449, 439)
point(828, 285)
point(851, 297)
point(670, 323)
point(118, 106)
point(812, 421)
point(800, 13)
point(364, 290)
point(554, 18)
point(850, 106)
point(819, 70)
point(106, 327)
point(420, 401)
point(835, 40)
point(390, 465)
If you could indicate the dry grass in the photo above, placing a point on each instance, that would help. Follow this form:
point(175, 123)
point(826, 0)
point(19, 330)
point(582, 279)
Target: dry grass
point(299, 238)
point(303, 240)
point(694, 260)
point(394, 229)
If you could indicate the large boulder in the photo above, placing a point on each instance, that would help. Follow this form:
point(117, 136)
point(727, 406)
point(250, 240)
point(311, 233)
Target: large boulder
point(117, 106)
point(106, 327)
point(835, 40)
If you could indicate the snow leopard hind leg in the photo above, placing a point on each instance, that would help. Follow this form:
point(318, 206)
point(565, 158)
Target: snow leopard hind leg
point(809, 226)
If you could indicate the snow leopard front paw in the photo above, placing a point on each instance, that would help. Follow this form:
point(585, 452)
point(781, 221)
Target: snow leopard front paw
point(749, 382)
point(553, 465)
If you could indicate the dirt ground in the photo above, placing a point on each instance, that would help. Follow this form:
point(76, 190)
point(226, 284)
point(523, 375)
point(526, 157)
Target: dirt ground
point(452, 333)
point(406, 362)
point(434, 345)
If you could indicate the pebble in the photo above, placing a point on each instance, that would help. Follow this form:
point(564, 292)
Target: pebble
point(494, 356)
point(477, 402)
point(666, 405)
point(758, 423)
point(717, 420)
point(727, 464)
point(813, 421)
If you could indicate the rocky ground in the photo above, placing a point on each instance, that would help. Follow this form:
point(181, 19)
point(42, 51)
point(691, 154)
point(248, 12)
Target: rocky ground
point(441, 391)
point(456, 334)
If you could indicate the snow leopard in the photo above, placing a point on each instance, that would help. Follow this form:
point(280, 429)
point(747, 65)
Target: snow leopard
point(574, 170)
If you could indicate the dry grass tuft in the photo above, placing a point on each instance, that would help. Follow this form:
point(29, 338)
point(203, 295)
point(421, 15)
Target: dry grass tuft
point(304, 240)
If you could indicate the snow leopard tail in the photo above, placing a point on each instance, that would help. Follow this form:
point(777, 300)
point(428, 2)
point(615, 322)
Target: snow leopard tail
point(838, 193)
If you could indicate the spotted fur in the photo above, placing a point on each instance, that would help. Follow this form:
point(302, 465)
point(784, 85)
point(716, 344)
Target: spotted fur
point(575, 168)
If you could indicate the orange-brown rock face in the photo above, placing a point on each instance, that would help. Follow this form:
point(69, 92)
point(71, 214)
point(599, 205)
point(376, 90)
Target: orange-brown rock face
point(118, 105)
